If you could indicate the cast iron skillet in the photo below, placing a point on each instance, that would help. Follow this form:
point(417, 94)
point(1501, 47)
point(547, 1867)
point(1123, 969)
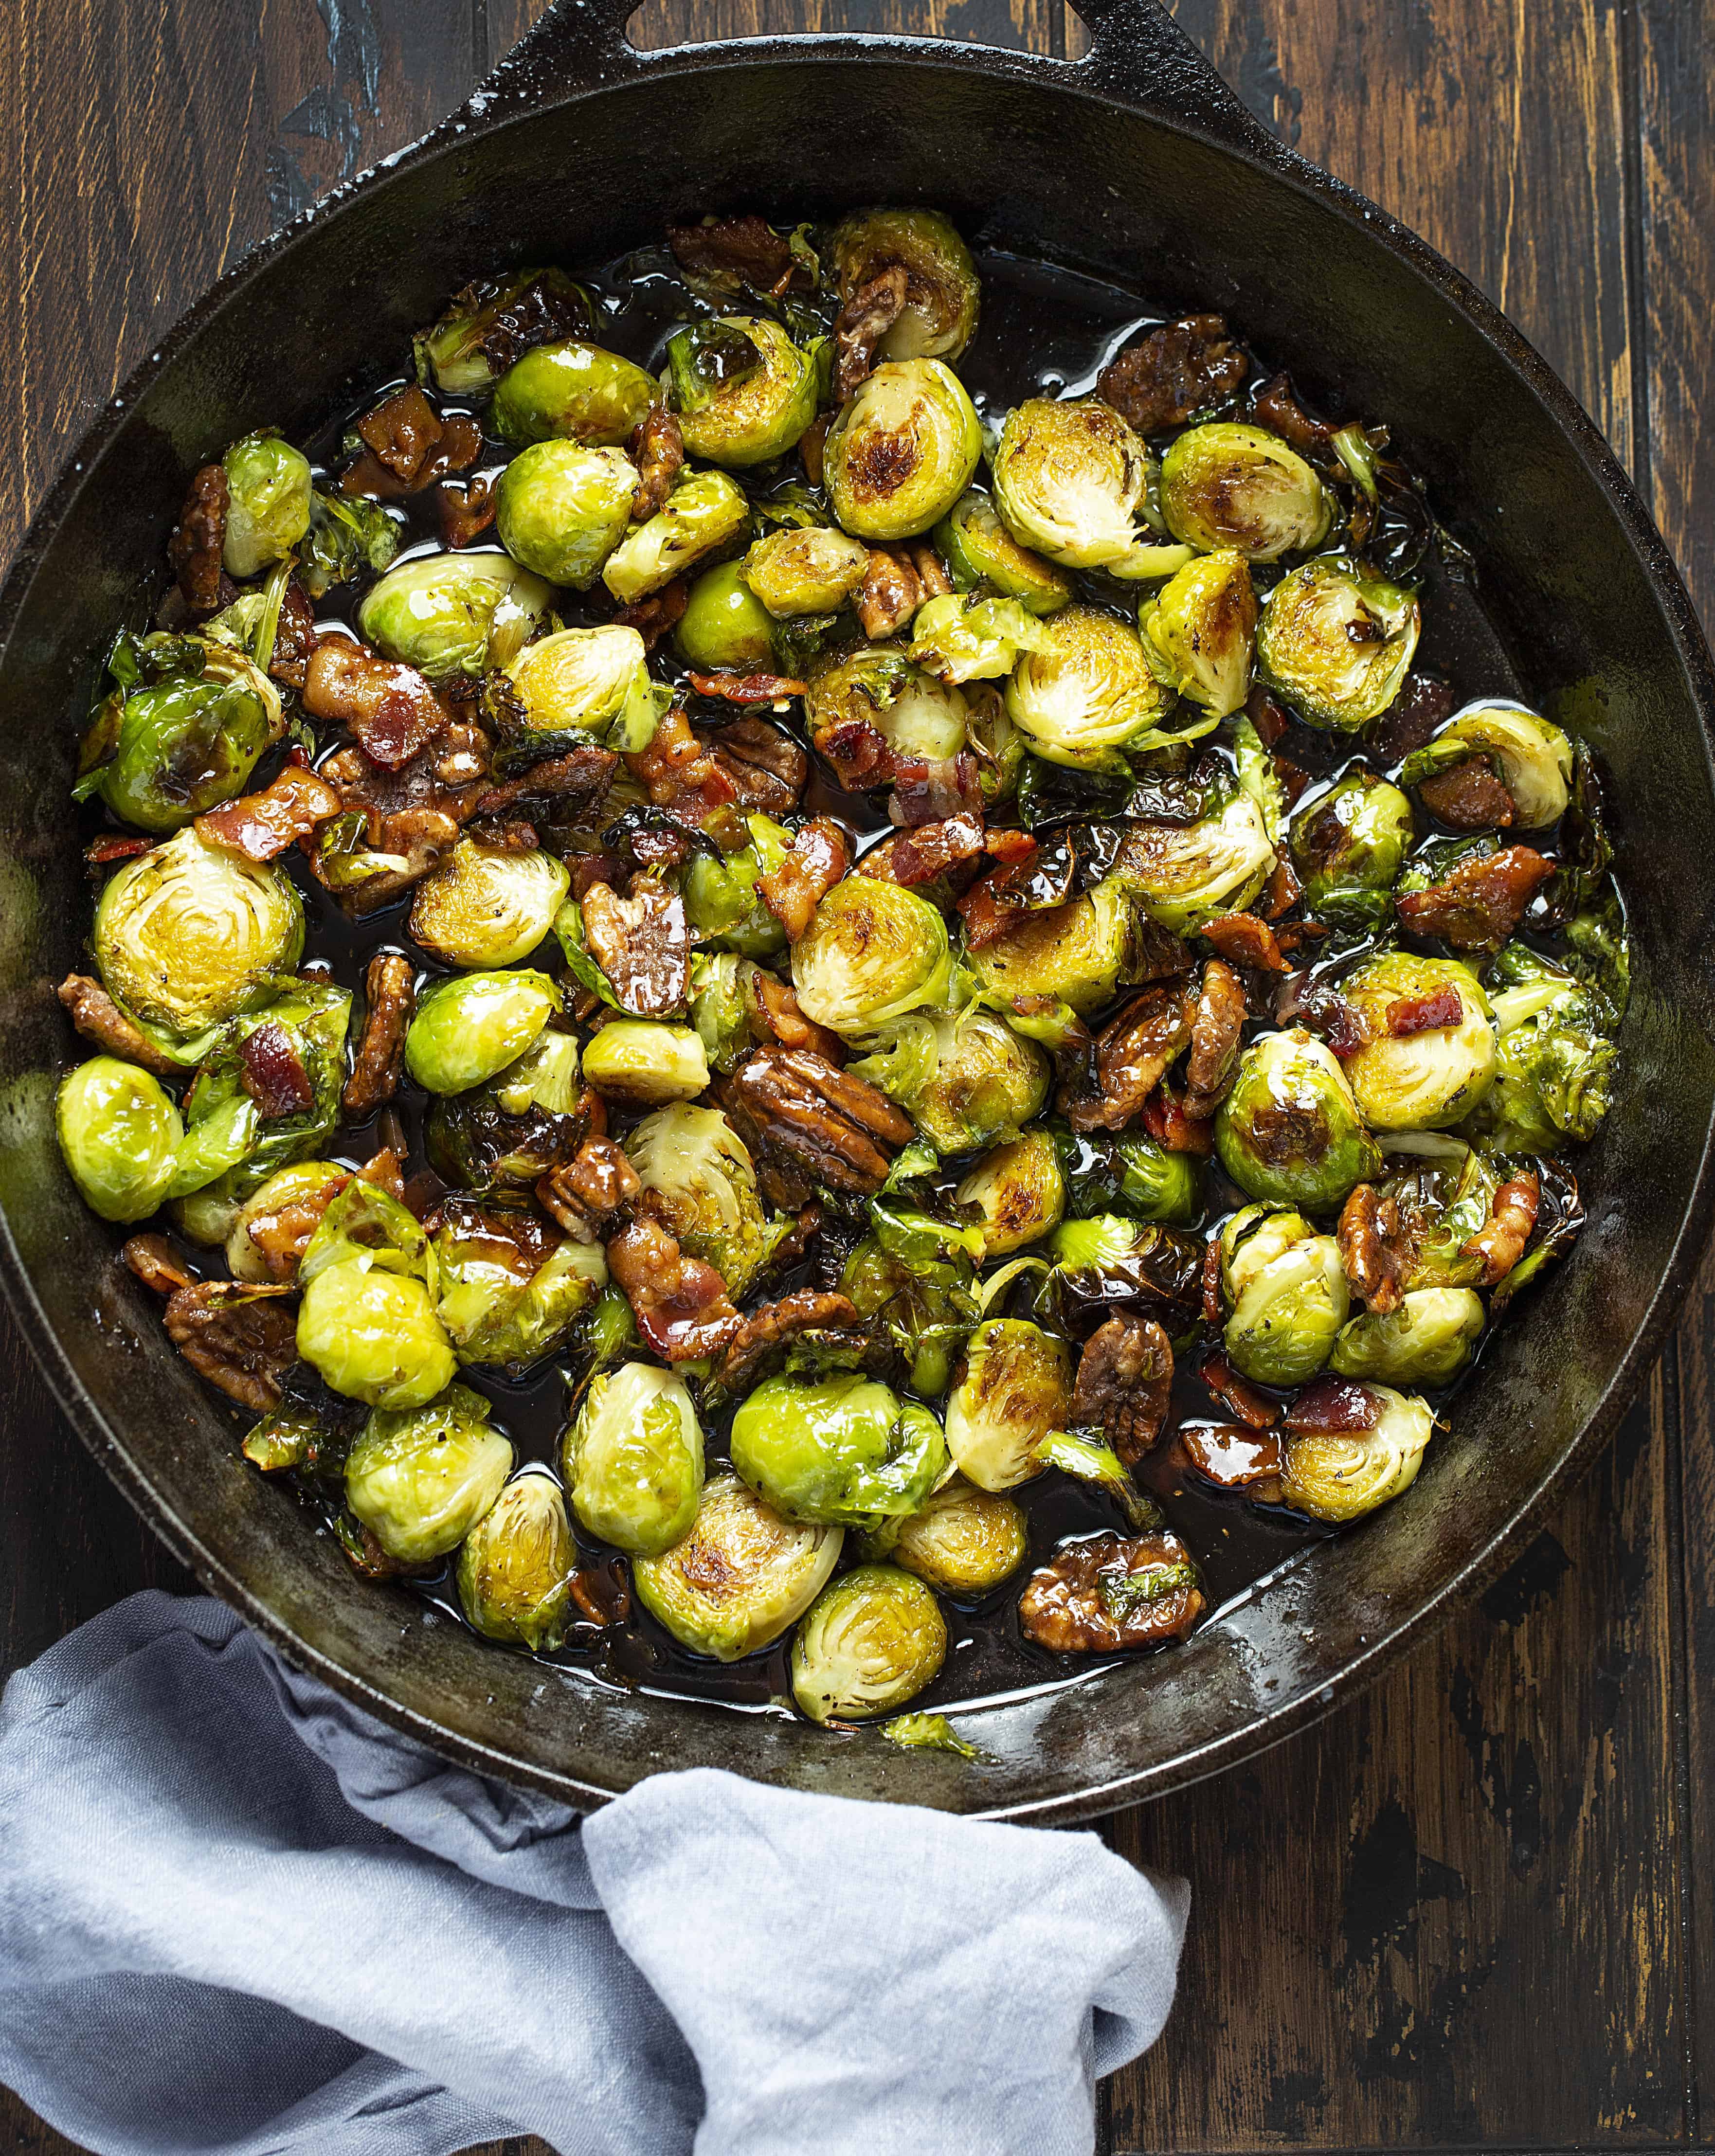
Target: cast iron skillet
point(1135, 163)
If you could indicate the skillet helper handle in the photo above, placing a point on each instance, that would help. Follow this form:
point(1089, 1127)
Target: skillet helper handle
point(574, 45)
point(1139, 54)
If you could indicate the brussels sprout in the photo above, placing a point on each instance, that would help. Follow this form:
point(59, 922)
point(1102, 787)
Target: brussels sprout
point(913, 712)
point(1419, 1081)
point(705, 1187)
point(812, 570)
point(1087, 694)
point(447, 615)
point(980, 551)
point(1288, 1292)
point(1227, 484)
point(366, 1225)
point(1188, 874)
point(873, 953)
point(914, 1293)
point(119, 1134)
point(722, 902)
point(1109, 1257)
point(1442, 1193)
point(1427, 1341)
point(1069, 481)
point(1336, 641)
point(1532, 758)
point(489, 323)
point(420, 1478)
point(512, 1131)
point(964, 1542)
point(1289, 1132)
point(1348, 845)
point(902, 451)
point(1076, 951)
point(703, 512)
point(1554, 1079)
point(720, 1008)
point(737, 409)
point(573, 687)
point(488, 906)
point(571, 392)
point(634, 1459)
point(740, 1576)
point(644, 1062)
point(976, 1081)
point(181, 734)
point(1199, 631)
point(503, 1303)
point(1100, 1466)
point(1021, 1190)
point(517, 1563)
point(840, 1451)
point(468, 1028)
point(348, 537)
point(1341, 1475)
point(1017, 1386)
point(267, 502)
point(1131, 1175)
point(313, 1018)
point(928, 1732)
point(874, 1638)
point(561, 509)
point(974, 639)
point(374, 1336)
point(290, 1202)
point(724, 624)
point(189, 935)
point(939, 317)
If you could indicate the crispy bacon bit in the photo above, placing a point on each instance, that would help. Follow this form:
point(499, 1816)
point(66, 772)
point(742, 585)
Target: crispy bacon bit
point(653, 618)
point(861, 324)
point(735, 250)
point(194, 549)
point(795, 1103)
point(1009, 846)
point(261, 825)
point(242, 1338)
point(658, 450)
point(642, 942)
point(679, 771)
point(809, 1311)
point(1323, 1010)
point(401, 431)
point(1282, 892)
point(771, 1006)
point(1107, 1594)
point(1215, 1032)
point(1371, 1248)
point(460, 445)
point(157, 1264)
point(1168, 1123)
point(747, 688)
point(767, 768)
point(890, 595)
point(859, 752)
point(391, 709)
point(1429, 1013)
point(679, 1303)
point(294, 636)
point(390, 998)
point(1277, 407)
point(1330, 1405)
point(1244, 940)
point(466, 508)
point(278, 1239)
point(1125, 1384)
point(1132, 1054)
point(583, 1194)
point(99, 1018)
point(992, 905)
point(272, 1071)
point(1511, 1218)
point(582, 776)
point(1211, 1282)
point(1422, 706)
point(815, 862)
point(1469, 798)
point(1267, 714)
point(1253, 1407)
point(111, 847)
point(1175, 370)
point(930, 789)
point(1230, 1456)
point(590, 869)
point(1477, 905)
point(920, 855)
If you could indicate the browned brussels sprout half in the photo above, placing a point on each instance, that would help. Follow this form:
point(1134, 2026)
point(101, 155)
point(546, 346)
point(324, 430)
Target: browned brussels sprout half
point(180, 733)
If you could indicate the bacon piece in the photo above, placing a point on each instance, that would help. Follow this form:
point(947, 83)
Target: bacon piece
point(157, 1264)
point(747, 688)
point(890, 595)
point(1215, 1032)
point(1175, 370)
point(242, 1338)
point(1330, 1405)
point(930, 789)
point(1086, 1601)
point(1276, 406)
point(390, 998)
point(1282, 893)
point(1132, 1054)
point(920, 855)
point(294, 636)
point(1244, 940)
point(391, 709)
point(1125, 1384)
point(278, 1239)
point(770, 1005)
point(1469, 797)
point(194, 549)
point(655, 617)
point(1255, 1409)
point(679, 772)
point(679, 1303)
point(1477, 905)
point(99, 1018)
point(260, 825)
point(1168, 1123)
point(1323, 1010)
point(861, 324)
point(767, 768)
point(466, 509)
point(642, 942)
point(112, 846)
point(658, 450)
point(401, 431)
point(273, 1073)
point(1371, 1252)
point(582, 776)
point(816, 861)
point(1512, 1216)
point(859, 752)
point(1267, 714)
point(1429, 1013)
point(586, 1193)
point(737, 250)
point(1421, 708)
point(1231, 1456)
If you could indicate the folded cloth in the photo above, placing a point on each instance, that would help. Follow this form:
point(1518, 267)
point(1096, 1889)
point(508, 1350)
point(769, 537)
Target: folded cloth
point(238, 1914)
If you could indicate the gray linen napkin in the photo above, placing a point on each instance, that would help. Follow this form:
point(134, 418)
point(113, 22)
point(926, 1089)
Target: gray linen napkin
point(237, 1914)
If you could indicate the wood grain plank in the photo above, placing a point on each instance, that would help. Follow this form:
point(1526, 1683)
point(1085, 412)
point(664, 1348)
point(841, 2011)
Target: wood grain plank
point(1045, 26)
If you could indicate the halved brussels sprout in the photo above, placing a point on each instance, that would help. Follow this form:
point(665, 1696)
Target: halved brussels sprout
point(1427, 1341)
point(1532, 758)
point(510, 1294)
point(913, 712)
point(973, 638)
point(964, 1542)
point(1188, 874)
point(1021, 1190)
point(119, 1134)
point(720, 1008)
point(979, 551)
point(1341, 1475)
point(517, 1563)
point(1348, 846)
point(646, 1063)
point(573, 687)
point(268, 503)
point(374, 1336)
point(1069, 481)
point(1087, 693)
point(1442, 1191)
point(733, 408)
point(1076, 951)
point(939, 317)
point(902, 451)
point(1228, 485)
point(838, 1451)
point(811, 569)
point(740, 1576)
point(705, 1187)
point(420, 1480)
point(705, 512)
point(873, 953)
point(1199, 631)
point(366, 1225)
point(1017, 1386)
point(914, 1297)
point(1554, 1076)
point(1289, 1132)
point(724, 624)
point(1425, 1080)
point(1129, 1174)
point(468, 1028)
point(721, 903)
point(634, 1459)
point(488, 906)
point(510, 1131)
point(486, 325)
point(561, 509)
point(1336, 641)
point(874, 1638)
point(1288, 1292)
point(189, 935)
point(180, 734)
point(972, 1080)
point(226, 1138)
point(288, 1205)
point(453, 614)
point(572, 391)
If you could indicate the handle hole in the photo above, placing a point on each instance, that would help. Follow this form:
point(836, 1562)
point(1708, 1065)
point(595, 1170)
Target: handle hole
point(1042, 26)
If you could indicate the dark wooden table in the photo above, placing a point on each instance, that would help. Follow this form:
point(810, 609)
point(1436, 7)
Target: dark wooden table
point(1475, 1907)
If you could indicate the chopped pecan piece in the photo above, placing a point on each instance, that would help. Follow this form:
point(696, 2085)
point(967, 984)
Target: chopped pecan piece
point(260, 825)
point(1371, 1250)
point(466, 509)
point(1244, 940)
point(157, 1264)
point(1330, 1405)
point(194, 549)
point(99, 1018)
point(815, 861)
point(1512, 1216)
point(1108, 1594)
point(1132, 1054)
point(1430, 1014)
point(1175, 370)
point(584, 1194)
point(1469, 797)
point(808, 1311)
point(861, 324)
point(678, 771)
point(391, 709)
point(1231, 1456)
point(1422, 706)
point(1255, 1409)
point(1477, 905)
point(658, 450)
point(272, 1072)
point(642, 942)
point(1215, 1031)
point(242, 1338)
point(679, 1303)
point(890, 595)
point(795, 1103)
point(770, 1005)
point(581, 777)
point(767, 769)
point(735, 688)
point(1125, 1384)
point(390, 998)
point(659, 614)
point(733, 251)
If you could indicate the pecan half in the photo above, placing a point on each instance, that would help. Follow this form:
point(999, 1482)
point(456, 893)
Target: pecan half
point(1125, 1384)
point(99, 1018)
point(658, 450)
point(796, 1104)
point(242, 1338)
point(890, 595)
point(1132, 1055)
point(642, 942)
point(1244, 940)
point(194, 549)
point(390, 998)
point(808, 1311)
point(1512, 1215)
point(1468, 797)
point(1371, 1249)
point(1215, 1032)
point(1175, 370)
point(861, 324)
point(1108, 1594)
point(767, 769)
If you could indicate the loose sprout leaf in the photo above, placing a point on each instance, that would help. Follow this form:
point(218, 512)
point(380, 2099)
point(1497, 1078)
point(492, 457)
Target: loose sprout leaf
point(1087, 1459)
point(1122, 1592)
point(932, 1733)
